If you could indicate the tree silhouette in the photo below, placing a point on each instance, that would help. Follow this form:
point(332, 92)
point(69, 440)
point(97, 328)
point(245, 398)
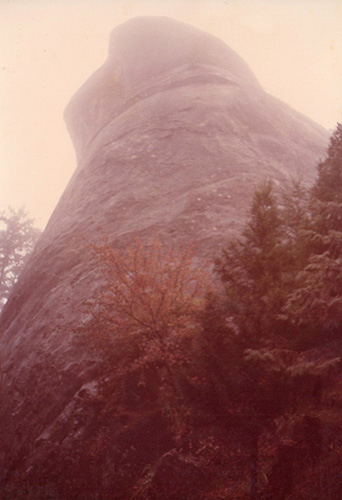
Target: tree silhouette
point(17, 240)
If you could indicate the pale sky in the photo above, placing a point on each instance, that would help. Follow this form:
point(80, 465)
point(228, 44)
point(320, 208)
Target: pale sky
point(48, 48)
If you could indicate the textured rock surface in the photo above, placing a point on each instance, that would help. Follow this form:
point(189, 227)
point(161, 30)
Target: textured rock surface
point(172, 133)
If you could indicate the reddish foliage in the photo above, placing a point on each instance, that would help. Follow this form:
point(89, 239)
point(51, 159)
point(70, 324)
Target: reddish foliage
point(145, 318)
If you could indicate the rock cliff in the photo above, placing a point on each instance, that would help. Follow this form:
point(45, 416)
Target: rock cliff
point(172, 134)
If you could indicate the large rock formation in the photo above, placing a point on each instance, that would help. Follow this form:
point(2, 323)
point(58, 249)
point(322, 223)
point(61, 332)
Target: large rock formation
point(172, 133)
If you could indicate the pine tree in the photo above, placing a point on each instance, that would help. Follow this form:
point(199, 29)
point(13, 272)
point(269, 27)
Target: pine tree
point(328, 186)
point(252, 269)
point(251, 354)
point(260, 377)
point(315, 306)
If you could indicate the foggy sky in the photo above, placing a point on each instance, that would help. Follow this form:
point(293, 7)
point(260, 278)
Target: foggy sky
point(48, 48)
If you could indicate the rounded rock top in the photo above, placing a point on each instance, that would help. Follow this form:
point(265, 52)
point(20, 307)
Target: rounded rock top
point(146, 52)
point(146, 47)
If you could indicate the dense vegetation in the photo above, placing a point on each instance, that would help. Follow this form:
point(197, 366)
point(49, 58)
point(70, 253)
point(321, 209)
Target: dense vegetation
point(223, 385)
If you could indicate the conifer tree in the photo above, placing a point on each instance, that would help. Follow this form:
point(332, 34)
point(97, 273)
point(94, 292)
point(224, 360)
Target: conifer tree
point(328, 186)
point(252, 269)
point(315, 306)
point(262, 377)
point(258, 272)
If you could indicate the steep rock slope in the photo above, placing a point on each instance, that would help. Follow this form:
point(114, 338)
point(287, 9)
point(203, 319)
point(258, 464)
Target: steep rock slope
point(172, 133)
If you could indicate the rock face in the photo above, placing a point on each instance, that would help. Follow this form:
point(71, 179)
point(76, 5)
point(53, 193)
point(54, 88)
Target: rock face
point(172, 133)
